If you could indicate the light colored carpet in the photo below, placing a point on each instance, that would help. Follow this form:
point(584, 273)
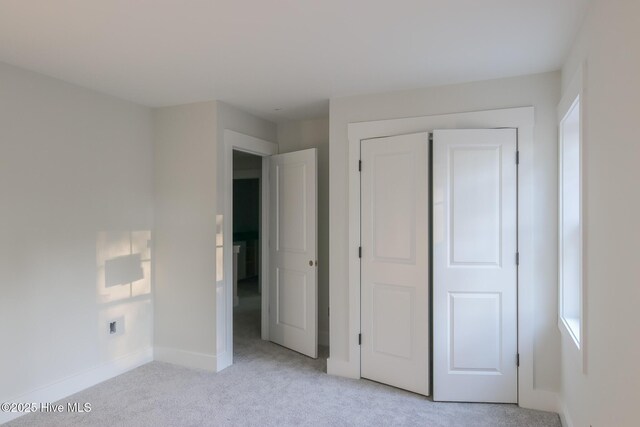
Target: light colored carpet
point(269, 386)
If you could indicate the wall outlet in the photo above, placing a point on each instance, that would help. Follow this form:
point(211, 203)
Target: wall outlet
point(115, 327)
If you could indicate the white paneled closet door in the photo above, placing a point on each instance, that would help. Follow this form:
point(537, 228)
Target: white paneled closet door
point(474, 265)
point(395, 261)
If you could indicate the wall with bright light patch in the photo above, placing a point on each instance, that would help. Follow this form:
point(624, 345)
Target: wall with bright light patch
point(76, 221)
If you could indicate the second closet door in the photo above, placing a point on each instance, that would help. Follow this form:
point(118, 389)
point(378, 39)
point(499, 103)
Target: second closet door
point(395, 266)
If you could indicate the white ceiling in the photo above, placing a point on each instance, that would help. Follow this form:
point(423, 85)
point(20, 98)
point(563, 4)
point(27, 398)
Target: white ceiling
point(292, 55)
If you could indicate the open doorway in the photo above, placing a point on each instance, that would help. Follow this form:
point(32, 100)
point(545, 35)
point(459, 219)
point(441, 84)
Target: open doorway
point(286, 252)
point(247, 253)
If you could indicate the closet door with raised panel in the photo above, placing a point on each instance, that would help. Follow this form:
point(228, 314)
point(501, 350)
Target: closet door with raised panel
point(395, 261)
point(475, 269)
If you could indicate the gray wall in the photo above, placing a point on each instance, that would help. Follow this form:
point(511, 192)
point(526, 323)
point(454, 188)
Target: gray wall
point(185, 177)
point(606, 392)
point(76, 191)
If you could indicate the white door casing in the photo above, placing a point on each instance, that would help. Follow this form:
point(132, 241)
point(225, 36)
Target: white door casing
point(224, 239)
point(293, 290)
point(395, 261)
point(474, 265)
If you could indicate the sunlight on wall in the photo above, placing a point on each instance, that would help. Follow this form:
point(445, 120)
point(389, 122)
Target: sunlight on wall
point(219, 249)
point(123, 290)
point(123, 261)
point(220, 301)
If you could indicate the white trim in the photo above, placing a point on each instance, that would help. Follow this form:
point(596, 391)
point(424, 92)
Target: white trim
point(264, 247)
point(75, 383)
point(569, 325)
point(565, 418)
point(190, 359)
point(521, 118)
point(574, 94)
point(224, 325)
point(249, 144)
point(341, 368)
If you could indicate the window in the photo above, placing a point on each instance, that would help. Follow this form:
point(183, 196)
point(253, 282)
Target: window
point(570, 222)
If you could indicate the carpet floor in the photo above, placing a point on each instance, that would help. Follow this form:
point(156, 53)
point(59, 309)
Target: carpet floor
point(268, 385)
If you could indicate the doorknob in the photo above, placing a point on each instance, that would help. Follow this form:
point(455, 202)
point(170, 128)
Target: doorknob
point(310, 263)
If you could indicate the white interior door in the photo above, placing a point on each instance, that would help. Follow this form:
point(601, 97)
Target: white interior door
point(474, 265)
point(293, 288)
point(395, 261)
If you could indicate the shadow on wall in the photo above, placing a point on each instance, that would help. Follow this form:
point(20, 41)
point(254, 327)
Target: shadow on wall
point(123, 290)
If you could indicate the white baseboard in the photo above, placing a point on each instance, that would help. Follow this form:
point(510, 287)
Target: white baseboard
point(75, 383)
point(565, 417)
point(341, 368)
point(541, 400)
point(189, 359)
point(223, 360)
point(323, 338)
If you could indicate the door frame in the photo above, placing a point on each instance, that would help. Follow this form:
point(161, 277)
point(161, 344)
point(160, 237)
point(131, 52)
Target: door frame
point(224, 320)
point(521, 118)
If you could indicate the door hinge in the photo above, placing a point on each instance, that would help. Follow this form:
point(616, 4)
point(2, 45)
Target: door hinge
point(518, 360)
point(359, 165)
point(517, 258)
point(518, 157)
point(328, 311)
point(359, 339)
point(359, 251)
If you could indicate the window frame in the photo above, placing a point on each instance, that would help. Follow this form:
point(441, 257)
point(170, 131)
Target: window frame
point(574, 96)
